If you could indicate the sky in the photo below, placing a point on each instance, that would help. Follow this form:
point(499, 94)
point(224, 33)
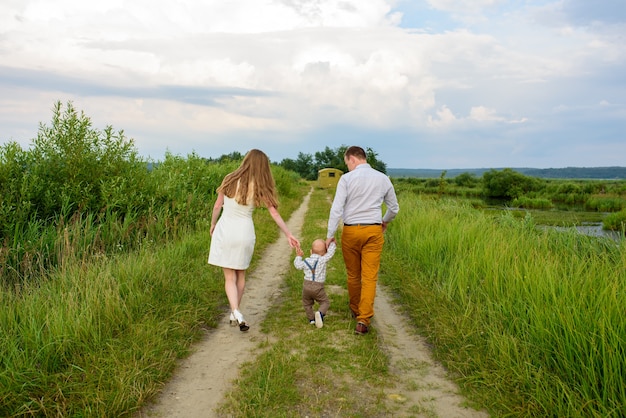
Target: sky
point(438, 84)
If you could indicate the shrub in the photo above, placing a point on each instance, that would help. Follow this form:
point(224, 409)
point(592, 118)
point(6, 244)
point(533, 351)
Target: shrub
point(615, 221)
point(605, 204)
point(507, 184)
point(79, 191)
point(466, 180)
point(70, 163)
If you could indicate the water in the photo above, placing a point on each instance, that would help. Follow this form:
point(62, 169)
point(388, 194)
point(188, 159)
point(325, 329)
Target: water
point(593, 229)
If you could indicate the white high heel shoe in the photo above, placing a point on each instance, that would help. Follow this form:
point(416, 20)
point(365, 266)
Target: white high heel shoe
point(243, 325)
point(233, 320)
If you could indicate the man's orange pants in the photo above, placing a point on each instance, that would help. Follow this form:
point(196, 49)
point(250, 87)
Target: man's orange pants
point(361, 247)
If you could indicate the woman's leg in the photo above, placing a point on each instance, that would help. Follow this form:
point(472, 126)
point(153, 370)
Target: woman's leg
point(230, 286)
point(241, 285)
point(234, 284)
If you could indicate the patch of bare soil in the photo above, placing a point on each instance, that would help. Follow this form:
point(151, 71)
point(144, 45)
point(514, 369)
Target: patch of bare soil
point(422, 386)
point(202, 380)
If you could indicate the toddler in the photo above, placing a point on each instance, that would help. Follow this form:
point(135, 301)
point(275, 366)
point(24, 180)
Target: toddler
point(314, 268)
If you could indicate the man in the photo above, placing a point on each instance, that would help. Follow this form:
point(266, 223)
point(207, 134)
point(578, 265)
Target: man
point(358, 202)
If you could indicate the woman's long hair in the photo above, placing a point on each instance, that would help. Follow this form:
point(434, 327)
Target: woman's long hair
point(252, 181)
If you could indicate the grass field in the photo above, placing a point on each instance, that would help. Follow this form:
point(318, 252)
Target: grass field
point(529, 322)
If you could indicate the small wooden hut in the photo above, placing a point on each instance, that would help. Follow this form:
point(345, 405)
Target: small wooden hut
point(328, 177)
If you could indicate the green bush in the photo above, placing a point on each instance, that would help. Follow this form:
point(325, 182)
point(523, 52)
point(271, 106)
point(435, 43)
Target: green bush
point(605, 204)
point(466, 180)
point(79, 191)
point(508, 184)
point(615, 221)
point(71, 164)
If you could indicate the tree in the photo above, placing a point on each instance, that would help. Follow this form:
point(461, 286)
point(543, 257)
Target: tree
point(372, 159)
point(233, 156)
point(328, 159)
point(305, 166)
point(308, 166)
point(508, 184)
point(466, 180)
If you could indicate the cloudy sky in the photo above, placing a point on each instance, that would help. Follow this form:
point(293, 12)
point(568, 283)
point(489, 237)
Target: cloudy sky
point(426, 83)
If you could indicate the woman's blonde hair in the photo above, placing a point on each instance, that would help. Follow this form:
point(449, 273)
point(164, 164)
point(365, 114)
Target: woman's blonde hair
point(252, 181)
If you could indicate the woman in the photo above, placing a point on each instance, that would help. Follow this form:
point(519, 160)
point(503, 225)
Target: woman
point(232, 236)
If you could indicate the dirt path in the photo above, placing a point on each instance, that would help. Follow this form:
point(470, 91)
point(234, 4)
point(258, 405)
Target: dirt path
point(202, 379)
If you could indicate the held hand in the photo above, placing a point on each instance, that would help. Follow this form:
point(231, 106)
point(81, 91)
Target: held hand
point(385, 226)
point(293, 241)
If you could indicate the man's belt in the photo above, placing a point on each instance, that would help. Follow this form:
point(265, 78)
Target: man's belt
point(362, 224)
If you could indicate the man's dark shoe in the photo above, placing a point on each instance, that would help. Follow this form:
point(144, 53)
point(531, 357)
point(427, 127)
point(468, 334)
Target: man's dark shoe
point(361, 328)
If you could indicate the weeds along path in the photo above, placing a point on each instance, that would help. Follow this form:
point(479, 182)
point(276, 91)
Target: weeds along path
point(202, 380)
point(204, 377)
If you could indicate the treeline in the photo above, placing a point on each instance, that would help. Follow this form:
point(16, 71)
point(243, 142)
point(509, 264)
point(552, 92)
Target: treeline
point(78, 192)
point(308, 165)
point(514, 189)
point(599, 173)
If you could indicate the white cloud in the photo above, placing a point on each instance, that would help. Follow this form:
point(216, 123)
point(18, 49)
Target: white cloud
point(445, 118)
point(213, 69)
point(462, 6)
point(481, 114)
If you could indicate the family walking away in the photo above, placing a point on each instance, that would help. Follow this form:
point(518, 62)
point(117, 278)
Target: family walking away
point(232, 235)
point(358, 202)
point(314, 268)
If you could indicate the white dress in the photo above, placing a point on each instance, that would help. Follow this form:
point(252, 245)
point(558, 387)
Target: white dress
point(232, 243)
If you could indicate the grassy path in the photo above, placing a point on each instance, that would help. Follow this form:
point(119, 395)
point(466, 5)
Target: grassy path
point(203, 378)
point(284, 367)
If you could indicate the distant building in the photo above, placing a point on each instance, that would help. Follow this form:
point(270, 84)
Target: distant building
point(328, 177)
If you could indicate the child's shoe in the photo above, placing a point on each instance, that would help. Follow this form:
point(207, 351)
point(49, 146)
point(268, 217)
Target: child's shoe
point(319, 319)
point(312, 322)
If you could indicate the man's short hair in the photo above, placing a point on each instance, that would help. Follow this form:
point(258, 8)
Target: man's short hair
point(356, 151)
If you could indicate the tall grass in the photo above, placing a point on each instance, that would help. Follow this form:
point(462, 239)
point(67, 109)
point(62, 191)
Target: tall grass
point(93, 340)
point(536, 203)
point(99, 336)
point(175, 195)
point(78, 191)
point(605, 203)
point(531, 321)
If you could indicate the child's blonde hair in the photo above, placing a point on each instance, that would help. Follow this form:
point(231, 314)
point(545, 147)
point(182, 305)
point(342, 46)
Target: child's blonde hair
point(319, 247)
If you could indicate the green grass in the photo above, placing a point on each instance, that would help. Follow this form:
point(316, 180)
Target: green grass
point(98, 338)
point(531, 322)
point(552, 217)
